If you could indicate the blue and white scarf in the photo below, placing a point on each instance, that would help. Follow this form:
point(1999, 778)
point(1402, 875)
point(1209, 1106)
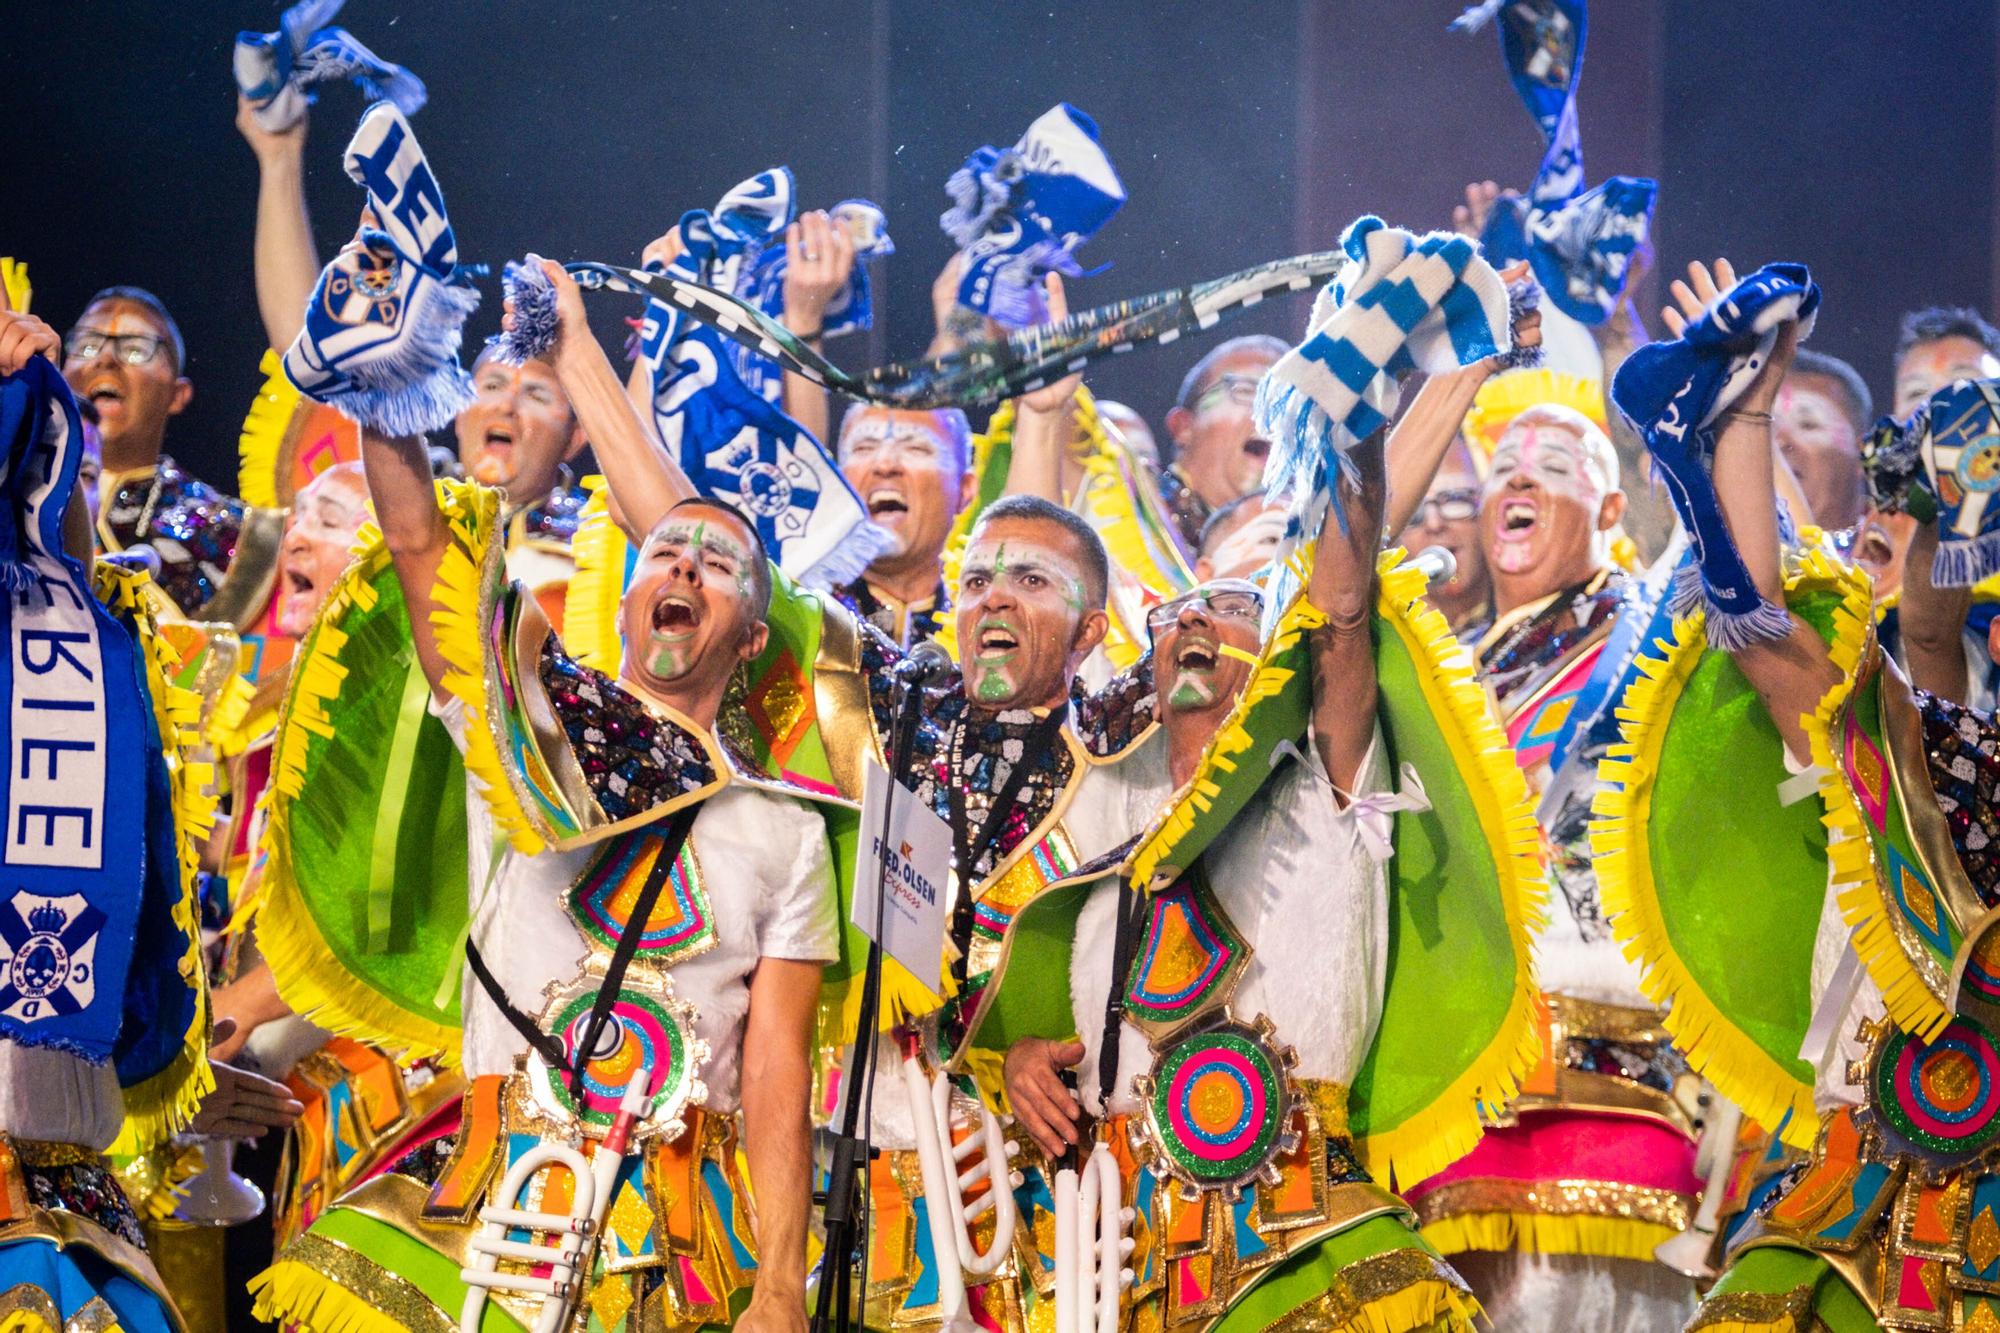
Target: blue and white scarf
point(1673, 393)
point(732, 440)
point(1956, 435)
point(1580, 241)
point(274, 69)
point(75, 721)
point(850, 311)
point(1019, 212)
point(382, 329)
point(1401, 303)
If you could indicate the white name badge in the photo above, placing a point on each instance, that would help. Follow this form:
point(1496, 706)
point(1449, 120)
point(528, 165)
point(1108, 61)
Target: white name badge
point(914, 868)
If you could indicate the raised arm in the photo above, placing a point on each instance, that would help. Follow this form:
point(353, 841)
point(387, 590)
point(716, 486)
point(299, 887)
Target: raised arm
point(777, 1136)
point(819, 260)
point(1342, 586)
point(1791, 674)
point(413, 530)
point(287, 265)
point(644, 478)
point(1933, 622)
point(1044, 423)
point(1423, 434)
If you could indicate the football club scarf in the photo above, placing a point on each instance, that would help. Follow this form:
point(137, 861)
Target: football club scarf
point(1943, 465)
point(382, 328)
point(76, 720)
point(1020, 212)
point(1580, 241)
point(850, 311)
point(274, 69)
point(981, 374)
point(732, 440)
point(1674, 393)
point(1401, 303)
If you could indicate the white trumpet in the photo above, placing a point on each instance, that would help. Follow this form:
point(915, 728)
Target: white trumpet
point(568, 1254)
point(1688, 1252)
point(1091, 1246)
point(947, 1175)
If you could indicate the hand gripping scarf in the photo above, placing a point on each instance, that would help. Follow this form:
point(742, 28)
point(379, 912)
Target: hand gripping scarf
point(274, 69)
point(1673, 393)
point(75, 720)
point(1942, 464)
point(715, 401)
point(1401, 303)
point(382, 328)
point(850, 311)
point(1579, 241)
point(1019, 212)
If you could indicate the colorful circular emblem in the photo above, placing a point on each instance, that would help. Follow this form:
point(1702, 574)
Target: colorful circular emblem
point(1979, 464)
point(642, 1031)
point(1943, 1098)
point(1216, 1106)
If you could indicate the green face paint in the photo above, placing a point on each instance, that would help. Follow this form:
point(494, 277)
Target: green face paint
point(993, 686)
point(1191, 692)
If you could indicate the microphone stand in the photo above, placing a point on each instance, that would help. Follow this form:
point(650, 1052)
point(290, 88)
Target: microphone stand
point(844, 1213)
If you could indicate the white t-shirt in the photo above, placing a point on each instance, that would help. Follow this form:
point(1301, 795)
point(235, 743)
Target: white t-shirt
point(767, 873)
point(1111, 803)
point(1298, 883)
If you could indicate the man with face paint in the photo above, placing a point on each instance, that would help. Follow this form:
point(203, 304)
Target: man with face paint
point(913, 472)
point(661, 919)
point(1241, 538)
point(1218, 454)
point(1822, 411)
point(1547, 508)
point(1294, 888)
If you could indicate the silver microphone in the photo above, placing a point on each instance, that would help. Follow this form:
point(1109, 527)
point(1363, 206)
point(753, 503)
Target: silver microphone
point(1437, 563)
point(924, 664)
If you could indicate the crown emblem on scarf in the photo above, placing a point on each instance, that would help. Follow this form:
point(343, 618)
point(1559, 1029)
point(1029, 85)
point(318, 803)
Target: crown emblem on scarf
point(48, 919)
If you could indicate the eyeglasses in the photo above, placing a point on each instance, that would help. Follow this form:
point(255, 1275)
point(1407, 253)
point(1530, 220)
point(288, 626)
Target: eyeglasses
point(1232, 600)
point(1450, 507)
point(133, 349)
point(1238, 389)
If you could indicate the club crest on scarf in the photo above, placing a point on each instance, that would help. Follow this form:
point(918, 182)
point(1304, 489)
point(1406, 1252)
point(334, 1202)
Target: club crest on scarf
point(733, 440)
point(382, 328)
point(274, 69)
point(1020, 212)
point(71, 858)
point(1579, 241)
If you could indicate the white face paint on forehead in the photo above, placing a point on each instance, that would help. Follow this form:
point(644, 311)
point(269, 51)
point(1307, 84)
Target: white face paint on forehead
point(1026, 565)
point(1554, 458)
point(872, 432)
point(701, 533)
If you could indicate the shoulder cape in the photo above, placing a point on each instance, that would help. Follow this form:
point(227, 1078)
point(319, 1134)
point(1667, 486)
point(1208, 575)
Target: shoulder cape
point(364, 907)
point(1122, 502)
point(1720, 910)
point(1458, 1027)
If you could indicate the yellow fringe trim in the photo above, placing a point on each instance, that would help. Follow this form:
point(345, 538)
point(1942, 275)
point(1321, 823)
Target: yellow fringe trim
point(294, 1294)
point(1541, 1233)
point(1429, 1305)
point(14, 277)
point(231, 729)
point(473, 512)
point(159, 1107)
point(308, 980)
point(1621, 819)
point(261, 442)
point(1857, 878)
point(1451, 1127)
point(590, 607)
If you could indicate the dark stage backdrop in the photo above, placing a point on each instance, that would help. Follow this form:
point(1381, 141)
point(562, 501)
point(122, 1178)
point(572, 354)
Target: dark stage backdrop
point(1857, 138)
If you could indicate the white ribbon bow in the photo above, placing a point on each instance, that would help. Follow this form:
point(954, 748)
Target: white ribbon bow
point(1374, 815)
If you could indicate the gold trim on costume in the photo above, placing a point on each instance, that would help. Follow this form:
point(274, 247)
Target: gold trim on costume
point(1556, 1198)
point(383, 1291)
point(246, 585)
point(1757, 1309)
point(1371, 1281)
point(1930, 837)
